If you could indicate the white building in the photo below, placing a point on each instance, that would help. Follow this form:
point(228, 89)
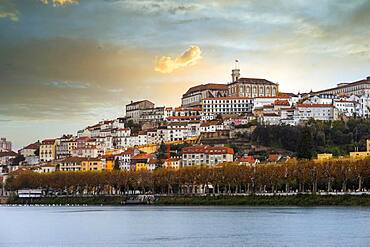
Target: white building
point(326, 99)
point(212, 126)
point(211, 107)
point(345, 107)
point(194, 96)
point(270, 119)
point(360, 87)
point(124, 158)
point(206, 155)
point(175, 131)
point(316, 111)
point(260, 102)
point(85, 152)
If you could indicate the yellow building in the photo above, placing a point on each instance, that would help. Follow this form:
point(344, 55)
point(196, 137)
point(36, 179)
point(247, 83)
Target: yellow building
point(361, 155)
point(109, 162)
point(92, 164)
point(324, 156)
point(47, 150)
point(141, 167)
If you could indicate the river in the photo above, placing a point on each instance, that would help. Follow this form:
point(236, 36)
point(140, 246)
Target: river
point(184, 226)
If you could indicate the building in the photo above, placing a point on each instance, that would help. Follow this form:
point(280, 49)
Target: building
point(316, 111)
point(212, 126)
point(361, 155)
point(345, 107)
point(156, 114)
point(47, 150)
point(206, 155)
point(30, 150)
point(180, 114)
point(270, 118)
point(250, 87)
point(141, 162)
point(92, 164)
point(70, 164)
point(324, 156)
point(176, 131)
point(124, 158)
point(5, 145)
point(135, 110)
point(86, 152)
point(212, 107)
point(194, 96)
point(260, 102)
point(48, 168)
point(6, 156)
point(64, 146)
point(360, 87)
point(172, 163)
point(247, 160)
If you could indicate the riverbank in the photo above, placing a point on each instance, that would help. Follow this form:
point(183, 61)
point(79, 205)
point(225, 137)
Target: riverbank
point(221, 200)
point(295, 200)
point(93, 201)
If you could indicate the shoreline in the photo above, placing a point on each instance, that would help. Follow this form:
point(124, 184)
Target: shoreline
point(220, 200)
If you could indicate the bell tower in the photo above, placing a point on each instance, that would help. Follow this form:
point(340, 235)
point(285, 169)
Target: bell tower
point(235, 73)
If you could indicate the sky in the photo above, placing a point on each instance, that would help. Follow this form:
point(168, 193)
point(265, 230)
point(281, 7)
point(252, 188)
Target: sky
point(66, 64)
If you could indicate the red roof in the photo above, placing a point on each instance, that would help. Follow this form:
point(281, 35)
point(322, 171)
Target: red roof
point(183, 117)
point(35, 146)
point(48, 141)
point(8, 154)
point(271, 97)
point(207, 150)
point(282, 102)
point(274, 157)
point(248, 159)
point(227, 97)
point(142, 156)
point(314, 105)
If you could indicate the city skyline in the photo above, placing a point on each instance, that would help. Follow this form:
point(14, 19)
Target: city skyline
point(90, 58)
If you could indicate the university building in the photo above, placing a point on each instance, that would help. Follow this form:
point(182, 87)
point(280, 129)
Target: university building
point(360, 87)
point(251, 87)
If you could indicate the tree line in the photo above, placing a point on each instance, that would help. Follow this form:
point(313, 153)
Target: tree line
point(336, 137)
point(293, 176)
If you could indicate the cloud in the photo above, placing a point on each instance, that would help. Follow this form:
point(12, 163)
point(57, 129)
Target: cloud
point(166, 64)
point(68, 84)
point(57, 3)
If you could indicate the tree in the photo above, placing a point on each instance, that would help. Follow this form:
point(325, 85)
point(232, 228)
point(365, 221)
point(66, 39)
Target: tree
point(305, 148)
point(116, 164)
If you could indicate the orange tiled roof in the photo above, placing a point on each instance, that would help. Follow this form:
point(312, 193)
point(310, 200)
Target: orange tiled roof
point(207, 150)
point(314, 105)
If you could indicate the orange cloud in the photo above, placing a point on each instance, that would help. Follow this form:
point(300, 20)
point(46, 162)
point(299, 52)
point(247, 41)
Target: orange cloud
point(59, 2)
point(166, 64)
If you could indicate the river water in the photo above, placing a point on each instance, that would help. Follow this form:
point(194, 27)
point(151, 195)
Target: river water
point(184, 226)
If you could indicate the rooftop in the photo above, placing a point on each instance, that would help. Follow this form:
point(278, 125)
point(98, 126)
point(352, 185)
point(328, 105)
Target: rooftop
point(254, 81)
point(209, 86)
point(207, 150)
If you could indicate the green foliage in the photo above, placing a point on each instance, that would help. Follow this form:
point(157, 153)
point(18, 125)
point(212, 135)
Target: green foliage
point(336, 137)
point(305, 148)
